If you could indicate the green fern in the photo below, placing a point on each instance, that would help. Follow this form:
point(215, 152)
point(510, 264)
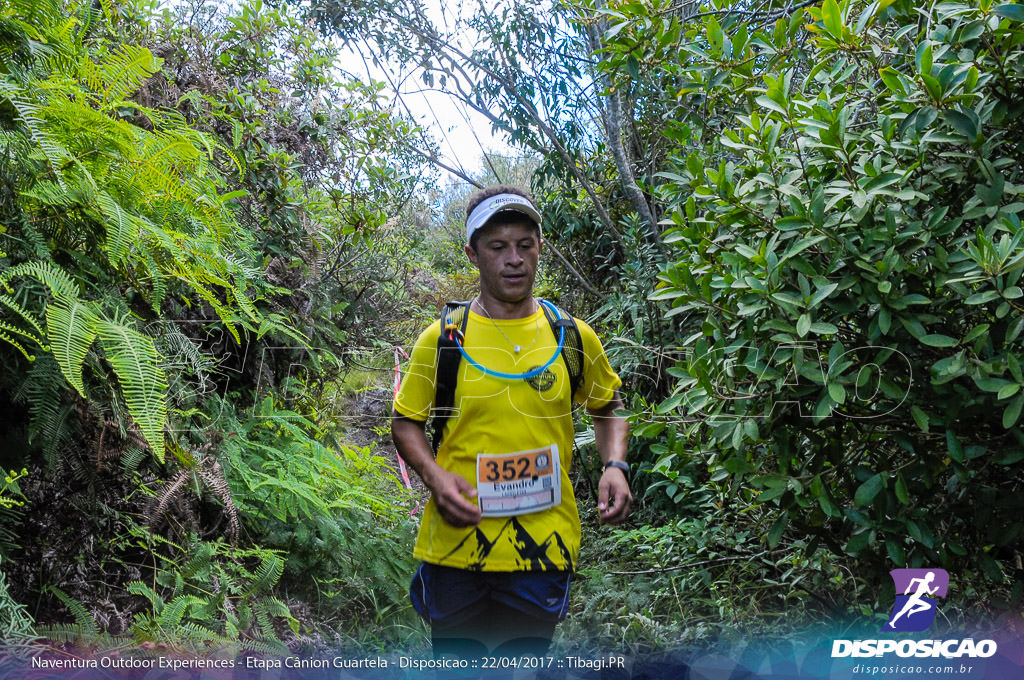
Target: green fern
point(53, 277)
point(266, 577)
point(143, 383)
point(140, 588)
point(71, 329)
point(174, 611)
point(84, 629)
point(125, 70)
point(132, 458)
point(8, 333)
point(44, 390)
point(200, 563)
point(122, 227)
point(29, 112)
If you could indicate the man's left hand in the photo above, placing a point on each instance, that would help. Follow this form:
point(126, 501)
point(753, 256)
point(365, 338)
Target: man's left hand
point(613, 496)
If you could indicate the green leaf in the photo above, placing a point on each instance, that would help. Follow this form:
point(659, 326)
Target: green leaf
point(778, 528)
point(938, 340)
point(962, 123)
point(1012, 412)
point(896, 552)
point(867, 491)
point(902, 493)
point(956, 451)
point(837, 392)
point(884, 320)
point(923, 58)
point(920, 417)
point(1008, 391)
point(993, 572)
point(769, 103)
point(803, 325)
point(832, 19)
point(1013, 12)
point(858, 542)
point(892, 80)
point(825, 501)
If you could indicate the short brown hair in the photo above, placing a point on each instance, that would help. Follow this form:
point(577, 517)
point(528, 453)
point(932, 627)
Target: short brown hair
point(481, 195)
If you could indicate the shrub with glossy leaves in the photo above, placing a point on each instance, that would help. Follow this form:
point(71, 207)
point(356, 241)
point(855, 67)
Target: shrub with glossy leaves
point(848, 259)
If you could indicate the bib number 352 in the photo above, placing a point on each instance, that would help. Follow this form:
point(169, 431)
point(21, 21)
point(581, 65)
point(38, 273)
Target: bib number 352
point(518, 483)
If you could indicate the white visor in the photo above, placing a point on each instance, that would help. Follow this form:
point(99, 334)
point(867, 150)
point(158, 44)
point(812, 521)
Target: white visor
point(490, 207)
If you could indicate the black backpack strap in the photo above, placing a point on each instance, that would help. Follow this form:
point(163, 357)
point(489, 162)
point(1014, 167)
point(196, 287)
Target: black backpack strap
point(572, 349)
point(453, 325)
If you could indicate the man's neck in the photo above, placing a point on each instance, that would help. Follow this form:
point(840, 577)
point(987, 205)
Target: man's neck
point(500, 309)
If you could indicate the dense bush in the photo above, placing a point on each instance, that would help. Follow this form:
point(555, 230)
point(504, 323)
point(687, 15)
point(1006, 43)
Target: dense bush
point(847, 257)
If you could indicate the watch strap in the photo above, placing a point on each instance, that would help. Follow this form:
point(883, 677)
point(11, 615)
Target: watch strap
point(621, 465)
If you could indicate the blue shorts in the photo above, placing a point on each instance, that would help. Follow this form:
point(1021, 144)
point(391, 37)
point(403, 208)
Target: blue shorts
point(449, 594)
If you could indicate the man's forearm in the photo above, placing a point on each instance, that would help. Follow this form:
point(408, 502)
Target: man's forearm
point(611, 432)
point(411, 442)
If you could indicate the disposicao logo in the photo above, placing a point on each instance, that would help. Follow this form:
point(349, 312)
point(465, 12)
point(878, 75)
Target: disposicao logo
point(914, 608)
point(914, 611)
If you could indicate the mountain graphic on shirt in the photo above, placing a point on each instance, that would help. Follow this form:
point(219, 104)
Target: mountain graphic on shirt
point(549, 554)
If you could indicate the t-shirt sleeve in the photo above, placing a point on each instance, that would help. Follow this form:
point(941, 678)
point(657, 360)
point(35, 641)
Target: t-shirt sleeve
point(599, 380)
point(416, 395)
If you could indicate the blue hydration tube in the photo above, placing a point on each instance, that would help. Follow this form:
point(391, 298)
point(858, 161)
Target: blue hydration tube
point(528, 374)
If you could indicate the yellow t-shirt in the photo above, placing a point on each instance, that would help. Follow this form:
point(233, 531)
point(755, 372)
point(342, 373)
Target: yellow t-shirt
point(496, 416)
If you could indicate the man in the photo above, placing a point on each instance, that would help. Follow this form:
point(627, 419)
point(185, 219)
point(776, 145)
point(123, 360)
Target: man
point(500, 535)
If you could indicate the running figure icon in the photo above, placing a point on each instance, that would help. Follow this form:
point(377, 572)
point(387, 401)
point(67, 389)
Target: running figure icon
point(916, 602)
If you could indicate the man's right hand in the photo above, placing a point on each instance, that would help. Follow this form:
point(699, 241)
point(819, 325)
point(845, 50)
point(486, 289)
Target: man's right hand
point(453, 495)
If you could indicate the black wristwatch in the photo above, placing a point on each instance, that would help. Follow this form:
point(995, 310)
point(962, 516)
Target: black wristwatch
point(622, 465)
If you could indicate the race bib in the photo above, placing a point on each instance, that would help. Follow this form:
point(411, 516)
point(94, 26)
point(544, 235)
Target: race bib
point(517, 483)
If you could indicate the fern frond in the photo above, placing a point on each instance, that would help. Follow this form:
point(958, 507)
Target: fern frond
point(143, 383)
point(200, 562)
point(267, 647)
point(143, 590)
point(267, 575)
point(221, 311)
point(162, 157)
point(126, 70)
point(213, 474)
point(168, 495)
point(132, 457)
point(263, 621)
point(196, 632)
point(6, 337)
point(271, 606)
point(71, 327)
point(122, 227)
point(53, 277)
point(184, 355)
point(44, 390)
point(85, 624)
point(27, 316)
point(174, 611)
point(29, 112)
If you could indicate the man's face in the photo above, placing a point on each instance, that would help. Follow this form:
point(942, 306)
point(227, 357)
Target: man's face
point(507, 256)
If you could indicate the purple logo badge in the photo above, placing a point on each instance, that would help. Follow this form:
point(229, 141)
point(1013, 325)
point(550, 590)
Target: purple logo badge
point(914, 609)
